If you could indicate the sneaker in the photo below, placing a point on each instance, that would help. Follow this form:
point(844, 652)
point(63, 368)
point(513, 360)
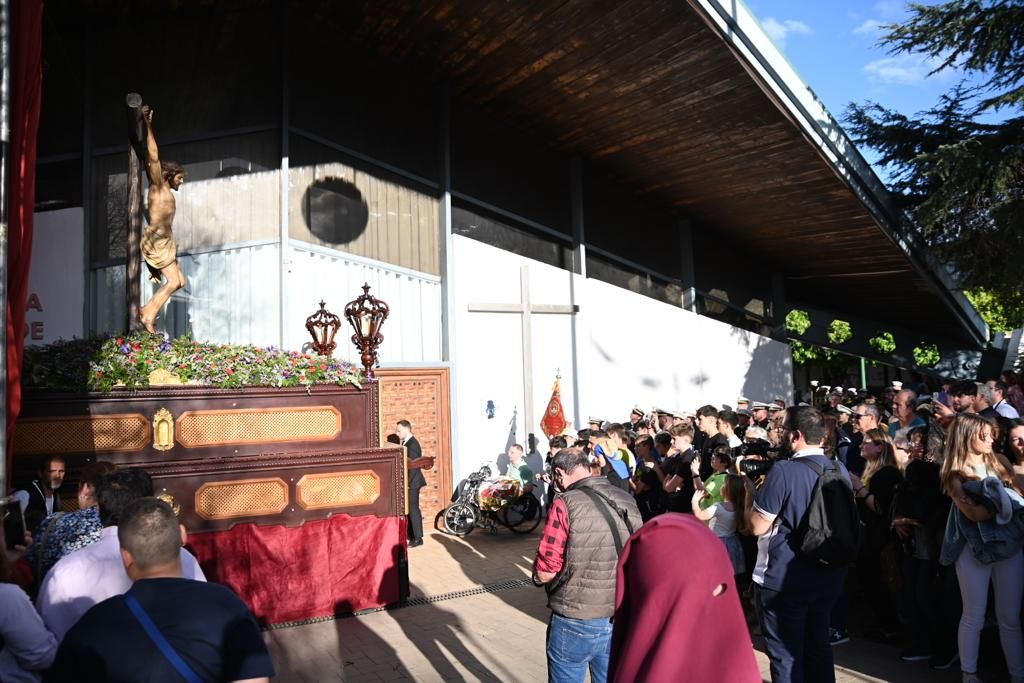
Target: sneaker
point(944, 661)
point(837, 637)
point(913, 654)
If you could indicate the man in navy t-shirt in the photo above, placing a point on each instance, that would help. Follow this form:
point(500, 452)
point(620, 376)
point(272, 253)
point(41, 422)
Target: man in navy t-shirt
point(205, 625)
point(794, 596)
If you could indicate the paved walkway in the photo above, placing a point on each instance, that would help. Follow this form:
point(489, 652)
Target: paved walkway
point(484, 636)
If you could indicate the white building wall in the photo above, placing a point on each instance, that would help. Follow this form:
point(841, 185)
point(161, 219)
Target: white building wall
point(637, 349)
point(629, 349)
point(412, 332)
point(230, 296)
point(56, 276)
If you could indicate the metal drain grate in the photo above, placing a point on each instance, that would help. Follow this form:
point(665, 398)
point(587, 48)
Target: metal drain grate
point(425, 600)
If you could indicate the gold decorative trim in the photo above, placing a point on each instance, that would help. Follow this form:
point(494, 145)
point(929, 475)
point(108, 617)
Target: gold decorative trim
point(162, 378)
point(170, 500)
point(199, 428)
point(337, 489)
point(241, 498)
point(109, 433)
point(163, 430)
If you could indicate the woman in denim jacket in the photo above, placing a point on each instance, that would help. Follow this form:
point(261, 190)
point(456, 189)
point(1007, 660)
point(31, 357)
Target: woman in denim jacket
point(969, 460)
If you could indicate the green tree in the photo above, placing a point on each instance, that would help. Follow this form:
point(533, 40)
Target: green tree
point(1002, 313)
point(957, 170)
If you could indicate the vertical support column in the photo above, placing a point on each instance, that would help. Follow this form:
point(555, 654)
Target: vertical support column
point(445, 222)
point(283, 260)
point(579, 274)
point(524, 294)
point(88, 312)
point(688, 277)
point(447, 273)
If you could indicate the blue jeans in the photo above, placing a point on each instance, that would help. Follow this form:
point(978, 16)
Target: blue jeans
point(795, 628)
point(576, 644)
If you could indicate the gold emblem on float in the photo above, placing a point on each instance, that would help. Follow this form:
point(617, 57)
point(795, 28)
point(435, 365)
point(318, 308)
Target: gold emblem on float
point(163, 430)
point(170, 500)
point(162, 378)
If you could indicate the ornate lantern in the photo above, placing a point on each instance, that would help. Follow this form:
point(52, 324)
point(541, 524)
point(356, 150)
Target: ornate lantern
point(322, 326)
point(366, 315)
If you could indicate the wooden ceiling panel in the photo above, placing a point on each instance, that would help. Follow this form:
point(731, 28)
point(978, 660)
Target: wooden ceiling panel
point(651, 94)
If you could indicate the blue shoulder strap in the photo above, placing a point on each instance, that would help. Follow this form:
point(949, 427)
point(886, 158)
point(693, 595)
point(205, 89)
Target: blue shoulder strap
point(158, 638)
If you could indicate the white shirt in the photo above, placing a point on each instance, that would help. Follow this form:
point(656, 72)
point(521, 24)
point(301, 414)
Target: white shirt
point(89, 576)
point(735, 441)
point(1006, 410)
point(723, 521)
point(29, 648)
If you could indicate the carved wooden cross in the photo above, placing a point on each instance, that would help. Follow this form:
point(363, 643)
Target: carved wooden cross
point(526, 308)
point(133, 231)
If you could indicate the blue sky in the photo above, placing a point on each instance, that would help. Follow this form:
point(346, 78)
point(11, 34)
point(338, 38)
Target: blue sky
point(833, 46)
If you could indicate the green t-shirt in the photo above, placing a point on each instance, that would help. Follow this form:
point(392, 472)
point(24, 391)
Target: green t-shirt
point(714, 486)
point(520, 472)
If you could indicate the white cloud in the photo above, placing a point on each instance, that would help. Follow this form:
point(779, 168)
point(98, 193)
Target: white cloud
point(904, 69)
point(870, 27)
point(892, 10)
point(780, 30)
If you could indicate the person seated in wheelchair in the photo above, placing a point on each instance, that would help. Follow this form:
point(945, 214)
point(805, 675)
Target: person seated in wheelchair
point(517, 468)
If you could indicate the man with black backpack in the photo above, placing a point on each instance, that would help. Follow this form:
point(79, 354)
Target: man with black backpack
point(587, 527)
point(806, 519)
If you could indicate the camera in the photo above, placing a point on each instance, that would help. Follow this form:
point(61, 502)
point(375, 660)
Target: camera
point(755, 467)
point(756, 447)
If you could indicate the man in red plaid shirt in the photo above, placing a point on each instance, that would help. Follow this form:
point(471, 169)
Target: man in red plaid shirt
point(579, 577)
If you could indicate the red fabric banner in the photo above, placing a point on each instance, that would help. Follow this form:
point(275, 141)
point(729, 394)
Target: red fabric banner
point(323, 568)
point(554, 423)
point(26, 92)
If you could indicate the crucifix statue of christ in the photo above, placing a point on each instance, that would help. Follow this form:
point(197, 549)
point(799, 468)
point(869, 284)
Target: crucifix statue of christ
point(157, 241)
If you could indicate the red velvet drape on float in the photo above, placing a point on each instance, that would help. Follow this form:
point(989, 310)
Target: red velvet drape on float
point(323, 568)
point(26, 91)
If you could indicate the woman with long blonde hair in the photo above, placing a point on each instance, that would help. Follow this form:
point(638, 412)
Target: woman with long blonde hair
point(969, 457)
point(882, 453)
point(875, 491)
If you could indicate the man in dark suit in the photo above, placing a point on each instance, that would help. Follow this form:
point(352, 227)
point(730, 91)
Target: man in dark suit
point(414, 453)
point(41, 498)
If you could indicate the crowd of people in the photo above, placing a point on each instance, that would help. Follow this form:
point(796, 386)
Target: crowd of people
point(908, 499)
point(117, 597)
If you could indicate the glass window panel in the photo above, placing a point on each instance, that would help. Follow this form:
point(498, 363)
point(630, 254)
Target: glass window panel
point(343, 204)
point(474, 223)
point(231, 194)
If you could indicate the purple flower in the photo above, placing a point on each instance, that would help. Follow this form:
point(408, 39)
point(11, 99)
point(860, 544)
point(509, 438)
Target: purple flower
point(165, 346)
point(125, 349)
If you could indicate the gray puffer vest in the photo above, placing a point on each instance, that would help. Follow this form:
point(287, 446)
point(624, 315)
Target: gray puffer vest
point(585, 588)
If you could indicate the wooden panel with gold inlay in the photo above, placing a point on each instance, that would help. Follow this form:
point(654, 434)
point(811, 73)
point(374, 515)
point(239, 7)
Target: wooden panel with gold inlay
point(337, 489)
point(201, 428)
point(81, 434)
point(241, 498)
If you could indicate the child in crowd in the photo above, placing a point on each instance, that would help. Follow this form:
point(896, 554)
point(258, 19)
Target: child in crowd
point(728, 517)
point(721, 460)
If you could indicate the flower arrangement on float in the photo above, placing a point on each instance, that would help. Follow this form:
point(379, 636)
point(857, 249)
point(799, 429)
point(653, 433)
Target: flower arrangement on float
point(136, 360)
